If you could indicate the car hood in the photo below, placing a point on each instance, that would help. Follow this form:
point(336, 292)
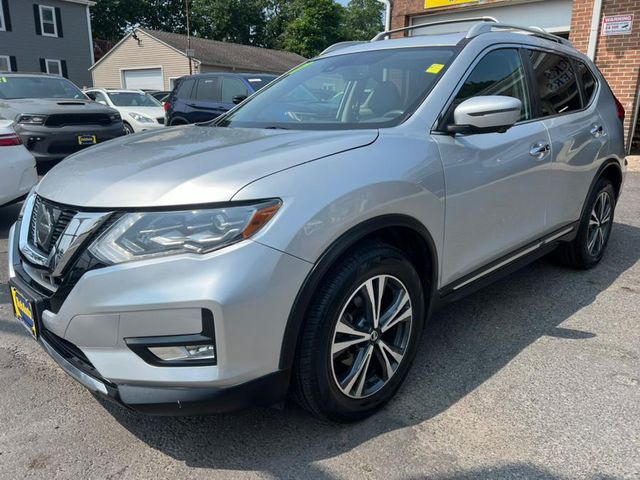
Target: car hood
point(9, 109)
point(186, 165)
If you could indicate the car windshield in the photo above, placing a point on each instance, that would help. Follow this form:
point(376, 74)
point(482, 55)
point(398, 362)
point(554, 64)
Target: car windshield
point(259, 81)
point(133, 99)
point(16, 86)
point(357, 90)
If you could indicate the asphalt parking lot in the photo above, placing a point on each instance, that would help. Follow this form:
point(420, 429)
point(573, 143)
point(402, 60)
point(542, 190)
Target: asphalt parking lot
point(535, 377)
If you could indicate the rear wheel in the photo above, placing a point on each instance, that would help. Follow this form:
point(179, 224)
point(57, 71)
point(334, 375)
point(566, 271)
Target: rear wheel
point(588, 248)
point(360, 335)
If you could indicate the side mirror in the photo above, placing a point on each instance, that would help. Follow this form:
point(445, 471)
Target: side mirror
point(239, 98)
point(492, 113)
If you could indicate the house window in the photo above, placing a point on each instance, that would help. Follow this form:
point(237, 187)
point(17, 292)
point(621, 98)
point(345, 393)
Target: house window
point(54, 67)
point(3, 23)
point(48, 22)
point(5, 63)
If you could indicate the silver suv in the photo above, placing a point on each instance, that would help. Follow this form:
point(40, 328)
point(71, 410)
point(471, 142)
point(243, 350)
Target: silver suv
point(299, 243)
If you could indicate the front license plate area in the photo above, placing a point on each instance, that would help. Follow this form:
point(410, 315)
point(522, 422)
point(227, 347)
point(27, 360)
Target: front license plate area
point(87, 140)
point(24, 311)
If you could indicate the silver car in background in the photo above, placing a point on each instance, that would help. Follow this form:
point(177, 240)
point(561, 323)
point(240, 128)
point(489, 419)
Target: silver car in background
point(17, 166)
point(299, 243)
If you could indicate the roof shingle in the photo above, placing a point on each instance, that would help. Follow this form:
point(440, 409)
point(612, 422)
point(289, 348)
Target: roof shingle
point(232, 55)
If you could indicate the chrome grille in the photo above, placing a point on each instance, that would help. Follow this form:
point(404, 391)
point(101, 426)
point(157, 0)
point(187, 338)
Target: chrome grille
point(60, 219)
point(54, 235)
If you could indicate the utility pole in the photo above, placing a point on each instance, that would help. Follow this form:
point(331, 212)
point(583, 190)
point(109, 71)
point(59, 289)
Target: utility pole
point(189, 38)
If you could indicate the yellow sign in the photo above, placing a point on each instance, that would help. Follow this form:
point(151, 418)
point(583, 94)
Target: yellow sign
point(435, 68)
point(444, 3)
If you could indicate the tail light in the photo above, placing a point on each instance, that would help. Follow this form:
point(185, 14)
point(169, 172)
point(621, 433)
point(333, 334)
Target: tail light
point(620, 108)
point(10, 140)
point(167, 105)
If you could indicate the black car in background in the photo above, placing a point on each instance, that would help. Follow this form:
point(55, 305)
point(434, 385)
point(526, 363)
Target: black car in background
point(203, 97)
point(53, 117)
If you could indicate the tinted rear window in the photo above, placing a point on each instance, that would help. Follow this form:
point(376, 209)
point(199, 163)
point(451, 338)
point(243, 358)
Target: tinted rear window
point(556, 83)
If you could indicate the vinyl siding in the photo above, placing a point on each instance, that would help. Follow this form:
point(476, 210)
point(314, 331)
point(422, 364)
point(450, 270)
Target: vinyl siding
point(74, 47)
point(150, 53)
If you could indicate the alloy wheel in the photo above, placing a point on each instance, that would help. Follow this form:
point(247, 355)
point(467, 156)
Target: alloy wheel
point(371, 336)
point(599, 224)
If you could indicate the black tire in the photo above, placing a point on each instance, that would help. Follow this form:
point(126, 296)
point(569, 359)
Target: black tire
point(579, 253)
point(315, 386)
point(128, 129)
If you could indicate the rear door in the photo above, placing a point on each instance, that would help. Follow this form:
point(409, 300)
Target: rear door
point(495, 182)
point(206, 103)
point(566, 90)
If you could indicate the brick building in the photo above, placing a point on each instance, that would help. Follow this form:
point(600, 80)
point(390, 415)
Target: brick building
point(616, 49)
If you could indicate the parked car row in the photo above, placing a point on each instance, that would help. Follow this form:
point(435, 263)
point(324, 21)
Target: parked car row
point(53, 118)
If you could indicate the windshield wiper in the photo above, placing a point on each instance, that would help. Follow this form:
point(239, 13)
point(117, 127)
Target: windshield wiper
point(275, 127)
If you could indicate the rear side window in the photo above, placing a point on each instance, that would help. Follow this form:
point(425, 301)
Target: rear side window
point(589, 82)
point(556, 83)
point(208, 90)
point(184, 89)
point(500, 72)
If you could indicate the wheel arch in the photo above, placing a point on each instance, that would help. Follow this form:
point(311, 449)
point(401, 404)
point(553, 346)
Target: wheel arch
point(401, 231)
point(176, 121)
point(611, 170)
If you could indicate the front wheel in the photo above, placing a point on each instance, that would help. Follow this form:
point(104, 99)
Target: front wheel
point(128, 129)
point(360, 335)
point(588, 248)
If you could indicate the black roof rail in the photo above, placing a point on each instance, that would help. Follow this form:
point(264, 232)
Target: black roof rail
point(386, 33)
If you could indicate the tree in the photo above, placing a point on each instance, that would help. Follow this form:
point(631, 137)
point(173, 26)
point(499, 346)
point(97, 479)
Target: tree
point(363, 19)
point(238, 21)
point(314, 25)
point(112, 19)
point(303, 26)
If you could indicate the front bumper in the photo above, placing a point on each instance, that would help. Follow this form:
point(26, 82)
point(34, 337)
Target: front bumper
point(248, 287)
point(49, 144)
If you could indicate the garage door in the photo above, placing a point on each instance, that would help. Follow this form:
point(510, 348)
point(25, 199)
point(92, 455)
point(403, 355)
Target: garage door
point(147, 79)
point(552, 15)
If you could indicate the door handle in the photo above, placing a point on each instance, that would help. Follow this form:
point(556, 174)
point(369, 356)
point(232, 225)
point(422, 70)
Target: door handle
point(597, 131)
point(540, 150)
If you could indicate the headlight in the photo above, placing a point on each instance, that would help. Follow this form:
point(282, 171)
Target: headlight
point(115, 117)
point(138, 117)
point(32, 119)
point(142, 235)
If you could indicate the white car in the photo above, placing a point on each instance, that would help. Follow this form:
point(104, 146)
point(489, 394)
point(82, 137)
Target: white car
point(17, 168)
point(139, 110)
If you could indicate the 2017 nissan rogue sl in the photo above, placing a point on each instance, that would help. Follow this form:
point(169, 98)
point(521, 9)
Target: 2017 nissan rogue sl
point(299, 243)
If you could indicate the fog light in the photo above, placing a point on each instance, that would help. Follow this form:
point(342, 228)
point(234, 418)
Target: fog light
point(184, 352)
